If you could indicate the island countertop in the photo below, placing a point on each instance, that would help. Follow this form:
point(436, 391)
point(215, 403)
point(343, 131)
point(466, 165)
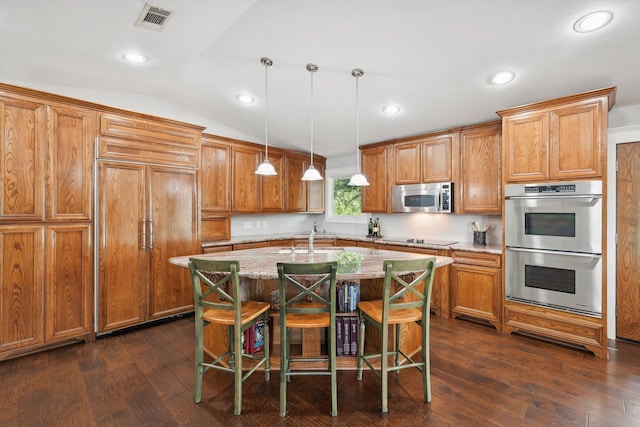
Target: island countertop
point(353, 262)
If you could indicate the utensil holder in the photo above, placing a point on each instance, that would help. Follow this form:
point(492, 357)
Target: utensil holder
point(480, 238)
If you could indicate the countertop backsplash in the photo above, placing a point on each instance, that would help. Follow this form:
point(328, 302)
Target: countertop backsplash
point(448, 227)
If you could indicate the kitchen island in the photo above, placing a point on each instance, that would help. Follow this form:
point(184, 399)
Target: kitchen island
point(259, 276)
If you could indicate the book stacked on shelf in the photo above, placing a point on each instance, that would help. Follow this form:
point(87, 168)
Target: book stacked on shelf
point(253, 337)
point(347, 336)
point(348, 295)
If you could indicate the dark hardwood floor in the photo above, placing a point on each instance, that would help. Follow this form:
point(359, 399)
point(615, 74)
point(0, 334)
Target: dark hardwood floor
point(479, 378)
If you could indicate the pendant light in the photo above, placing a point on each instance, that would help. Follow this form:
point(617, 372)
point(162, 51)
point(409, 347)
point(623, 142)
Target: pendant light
point(358, 179)
point(266, 168)
point(312, 173)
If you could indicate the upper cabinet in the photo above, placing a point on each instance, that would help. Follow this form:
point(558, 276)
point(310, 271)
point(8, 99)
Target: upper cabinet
point(295, 165)
point(245, 184)
point(23, 128)
point(376, 167)
point(479, 187)
point(72, 133)
point(564, 138)
point(230, 186)
point(437, 151)
point(427, 158)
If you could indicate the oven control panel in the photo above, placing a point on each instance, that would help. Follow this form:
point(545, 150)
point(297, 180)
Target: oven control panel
point(546, 189)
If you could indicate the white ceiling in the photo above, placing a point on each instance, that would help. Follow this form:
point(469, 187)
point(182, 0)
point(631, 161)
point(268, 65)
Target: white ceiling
point(431, 57)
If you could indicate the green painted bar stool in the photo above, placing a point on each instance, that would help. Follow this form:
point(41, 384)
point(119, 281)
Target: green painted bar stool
point(216, 295)
point(307, 300)
point(402, 302)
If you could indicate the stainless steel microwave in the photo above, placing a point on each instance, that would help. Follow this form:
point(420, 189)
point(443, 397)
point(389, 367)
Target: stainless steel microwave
point(432, 197)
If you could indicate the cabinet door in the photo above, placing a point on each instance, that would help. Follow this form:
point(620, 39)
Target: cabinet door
point(436, 158)
point(173, 231)
point(576, 149)
point(21, 286)
point(375, 162)
point(407, 163)
point(272, 187)
point(526, 147)
point(245, 196)
point(295, 166)
point(23, 126)
point(69, 283)
point(122, 241)
point(476, 292)
point(480, 178)
point(315, 190)
point(215, 175)
point(72, 133)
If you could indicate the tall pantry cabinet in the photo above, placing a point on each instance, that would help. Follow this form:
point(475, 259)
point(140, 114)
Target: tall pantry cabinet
point(147, 213)
point(46, 264)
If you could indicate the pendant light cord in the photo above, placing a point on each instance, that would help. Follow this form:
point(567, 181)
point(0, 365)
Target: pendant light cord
point(312, 68)
point(267, 63)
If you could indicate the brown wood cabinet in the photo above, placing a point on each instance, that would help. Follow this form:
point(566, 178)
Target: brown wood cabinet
point(45, 221)
point(23, 126)
point(376, 167)
point(147, 214)
point(480, 184)
point(427, 158)
point(561, 139)
point(245, 184)
point(21, 288)
point(476, 286)
point(295, 166)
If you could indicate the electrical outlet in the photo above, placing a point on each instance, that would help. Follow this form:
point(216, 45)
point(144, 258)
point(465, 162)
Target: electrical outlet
point(257, 224)
point(247, 225)
point(264, 224)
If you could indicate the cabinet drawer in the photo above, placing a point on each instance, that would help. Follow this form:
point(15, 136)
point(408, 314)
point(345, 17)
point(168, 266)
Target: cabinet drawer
point(213, 249)
point(476, 258)
point(241, 246)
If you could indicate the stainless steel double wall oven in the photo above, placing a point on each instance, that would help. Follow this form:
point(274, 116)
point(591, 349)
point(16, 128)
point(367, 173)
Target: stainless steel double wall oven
point(553, 240)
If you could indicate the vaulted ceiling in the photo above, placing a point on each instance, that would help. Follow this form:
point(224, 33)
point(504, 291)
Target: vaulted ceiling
point(432, 58)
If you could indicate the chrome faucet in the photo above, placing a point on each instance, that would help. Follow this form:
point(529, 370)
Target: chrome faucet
point(311, 237)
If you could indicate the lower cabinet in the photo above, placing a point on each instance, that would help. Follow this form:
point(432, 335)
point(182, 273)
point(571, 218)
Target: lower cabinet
point(476, 286)
point(38, 311)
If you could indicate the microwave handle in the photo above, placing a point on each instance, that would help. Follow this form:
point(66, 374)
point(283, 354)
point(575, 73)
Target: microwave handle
point(564, 196)
point(543, 251)
point(439, 200)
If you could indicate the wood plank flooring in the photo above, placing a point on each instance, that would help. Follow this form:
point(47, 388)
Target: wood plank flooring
point(479, 378)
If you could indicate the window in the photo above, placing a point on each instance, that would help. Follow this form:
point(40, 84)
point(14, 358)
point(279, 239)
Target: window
point(343, 202)
point(346, 198)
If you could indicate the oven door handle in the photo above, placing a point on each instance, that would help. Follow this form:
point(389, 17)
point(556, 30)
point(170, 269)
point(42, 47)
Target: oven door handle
point(544, 251)
point(564, 196)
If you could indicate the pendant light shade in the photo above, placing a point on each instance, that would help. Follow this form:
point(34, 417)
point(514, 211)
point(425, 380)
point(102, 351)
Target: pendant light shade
point(358, 179)
point(311, 174)
point(266, 168)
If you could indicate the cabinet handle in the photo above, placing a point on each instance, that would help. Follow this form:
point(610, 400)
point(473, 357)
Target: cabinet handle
point(143, 235)
point(150, 235)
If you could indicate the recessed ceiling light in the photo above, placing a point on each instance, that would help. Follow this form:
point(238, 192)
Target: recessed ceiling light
point(391, 109)
point(593, 21)
point(137, 58)
point(502, 77)
point(245, 99)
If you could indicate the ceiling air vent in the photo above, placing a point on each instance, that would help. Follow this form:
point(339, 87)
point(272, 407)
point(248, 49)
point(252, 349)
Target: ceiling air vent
point(153, 17)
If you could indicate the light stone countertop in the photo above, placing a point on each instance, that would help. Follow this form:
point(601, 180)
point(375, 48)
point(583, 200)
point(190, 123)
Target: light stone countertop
point(353, 262)
point(463, 246)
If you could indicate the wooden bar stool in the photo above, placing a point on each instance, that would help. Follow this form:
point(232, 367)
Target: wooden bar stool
point(307, 300)
point(214, 302)
point(402, 302)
